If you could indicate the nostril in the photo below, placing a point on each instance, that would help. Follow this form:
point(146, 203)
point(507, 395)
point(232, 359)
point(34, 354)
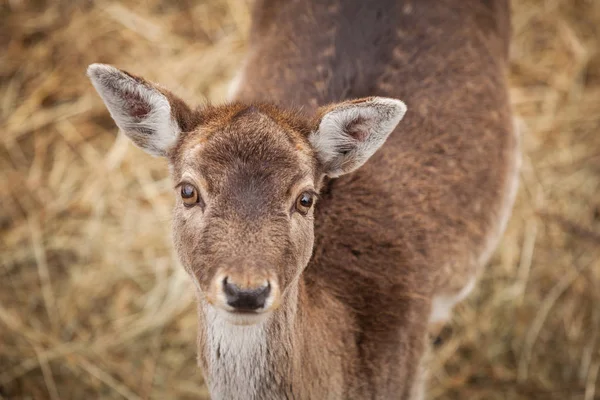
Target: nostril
point(228, 288)
point(245, 299)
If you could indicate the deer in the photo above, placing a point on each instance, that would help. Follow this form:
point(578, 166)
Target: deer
point(346, 197)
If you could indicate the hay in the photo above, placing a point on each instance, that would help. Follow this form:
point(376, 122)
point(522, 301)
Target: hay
point(92, 303)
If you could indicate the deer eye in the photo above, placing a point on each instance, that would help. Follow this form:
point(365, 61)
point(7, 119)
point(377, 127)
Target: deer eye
point(190, 195)
point(304, 202)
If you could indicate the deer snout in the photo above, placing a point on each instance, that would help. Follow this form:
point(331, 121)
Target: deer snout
point(246, 299)
point(245, 296)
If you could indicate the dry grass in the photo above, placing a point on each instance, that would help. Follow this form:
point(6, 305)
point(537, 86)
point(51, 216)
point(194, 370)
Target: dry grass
point(92, 302)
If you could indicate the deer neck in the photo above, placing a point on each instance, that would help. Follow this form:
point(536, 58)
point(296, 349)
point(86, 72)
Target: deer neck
point(255, 361)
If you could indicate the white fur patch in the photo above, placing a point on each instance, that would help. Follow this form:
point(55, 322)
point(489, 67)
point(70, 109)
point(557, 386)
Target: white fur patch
point(441, 306)
point(237, 356)
point(344, 153)
point(157, 131)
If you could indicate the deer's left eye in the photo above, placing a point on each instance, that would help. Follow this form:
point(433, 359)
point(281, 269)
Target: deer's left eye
point(189, 195)
point(304, 202)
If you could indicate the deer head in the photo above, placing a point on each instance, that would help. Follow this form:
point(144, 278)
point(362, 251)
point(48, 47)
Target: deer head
point(246, 179)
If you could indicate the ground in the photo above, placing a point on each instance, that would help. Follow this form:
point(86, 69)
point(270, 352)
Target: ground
point(92, 301)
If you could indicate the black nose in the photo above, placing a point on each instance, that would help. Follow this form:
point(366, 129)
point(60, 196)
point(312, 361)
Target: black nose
point(245, 299)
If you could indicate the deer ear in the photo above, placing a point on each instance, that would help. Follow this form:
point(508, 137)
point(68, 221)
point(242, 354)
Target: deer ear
point(150, 117)
point(350, 132)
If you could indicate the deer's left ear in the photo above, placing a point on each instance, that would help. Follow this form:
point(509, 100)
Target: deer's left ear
point(151, 117)
point(350, 132)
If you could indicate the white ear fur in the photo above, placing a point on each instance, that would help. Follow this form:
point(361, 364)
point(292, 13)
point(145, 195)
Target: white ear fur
point(352, 132)
point(141, 111)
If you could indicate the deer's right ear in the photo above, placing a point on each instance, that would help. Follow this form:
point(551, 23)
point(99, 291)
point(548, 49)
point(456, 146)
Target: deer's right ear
point(142, 111)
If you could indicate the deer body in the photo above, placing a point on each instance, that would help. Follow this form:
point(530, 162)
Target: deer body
point(389, 247)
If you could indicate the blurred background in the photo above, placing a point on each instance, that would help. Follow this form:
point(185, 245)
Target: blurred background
point(92, 301)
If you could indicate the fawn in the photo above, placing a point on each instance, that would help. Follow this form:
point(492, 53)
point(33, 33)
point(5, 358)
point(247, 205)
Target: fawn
point(317, 273)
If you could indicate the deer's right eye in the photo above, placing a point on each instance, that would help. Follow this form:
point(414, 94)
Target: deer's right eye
point(189, 195)
point(304, 202)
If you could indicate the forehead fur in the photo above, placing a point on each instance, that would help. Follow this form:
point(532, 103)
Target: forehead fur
point(255, 141)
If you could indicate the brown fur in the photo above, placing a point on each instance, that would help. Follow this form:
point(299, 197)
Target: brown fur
point(416, 221)
point(410, 223)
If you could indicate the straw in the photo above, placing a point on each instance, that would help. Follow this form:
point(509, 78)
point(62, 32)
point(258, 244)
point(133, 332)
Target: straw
point(92, 301)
